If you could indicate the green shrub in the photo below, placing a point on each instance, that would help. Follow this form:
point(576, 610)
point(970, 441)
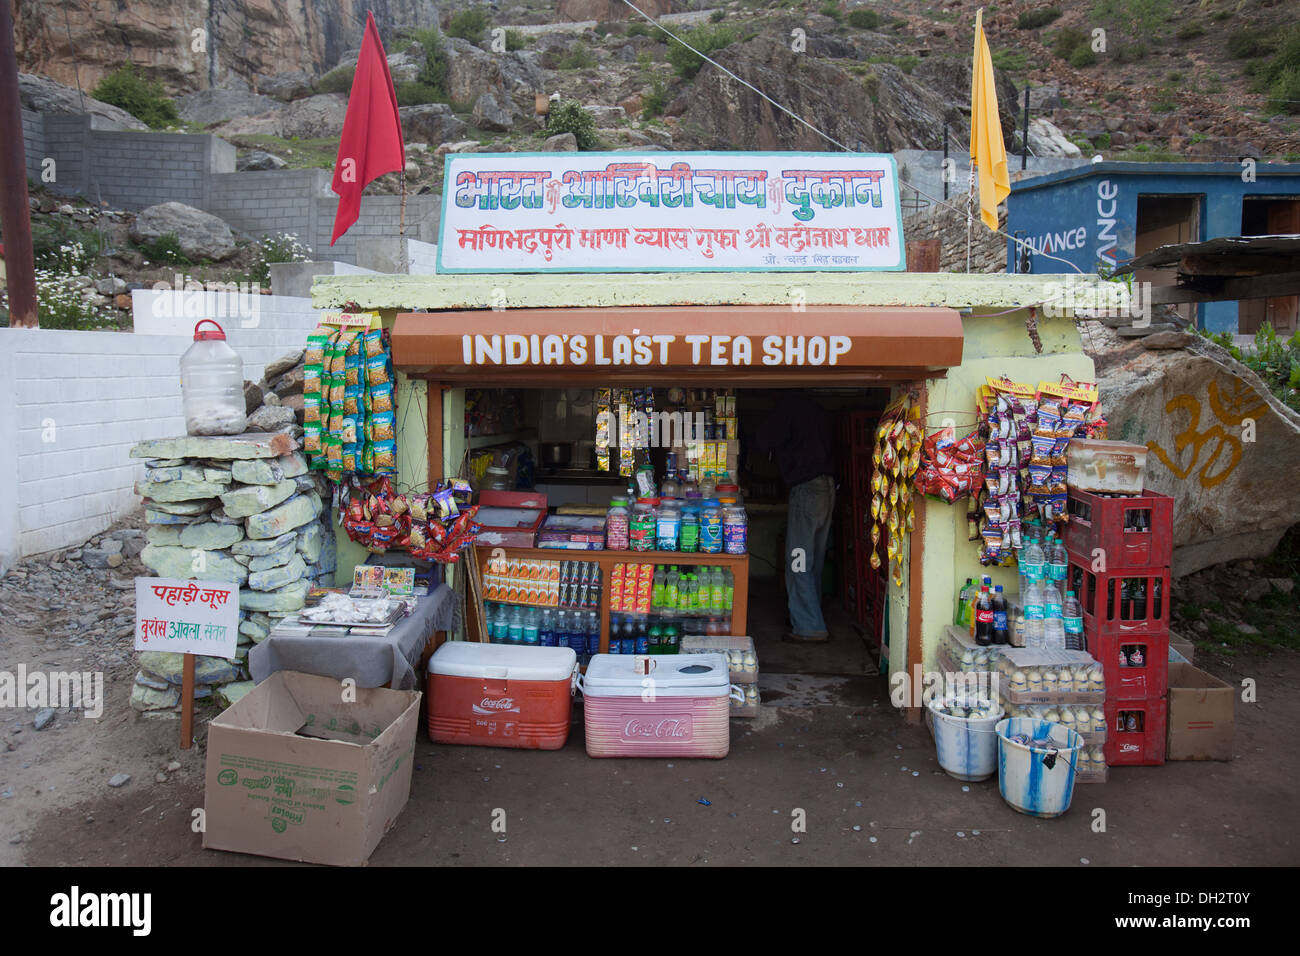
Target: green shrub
point(515, 40)
point(469, 25)
point(831, 10)
point(1276, 361)
point(568, 116)
point(1067, 40)
point(1280, 76)
point(1036, 19)
point(653, 102)
point(1082, 56)
point(864, 19)
point(165, 249)
point(705, 39)
point(278, 247)
point(433, 72)
point(1249, 44)
point(55, 238)
point(337, 80)
point(717, 16)
point(579, 57)
point(417, 94)
point(640, 29)
point(142, 98)
point(1190, 32)
point(1012, 62)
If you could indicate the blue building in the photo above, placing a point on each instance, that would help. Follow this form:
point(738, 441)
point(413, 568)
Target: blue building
point(1109, 213)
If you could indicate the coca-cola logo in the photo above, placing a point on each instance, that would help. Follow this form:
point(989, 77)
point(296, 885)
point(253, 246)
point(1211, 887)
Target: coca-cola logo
point(1129, 748)
point(663, 728)
point(496, 705)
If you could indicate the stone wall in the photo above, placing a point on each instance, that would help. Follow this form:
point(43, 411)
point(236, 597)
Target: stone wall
point(948, 225)
point(244, 510)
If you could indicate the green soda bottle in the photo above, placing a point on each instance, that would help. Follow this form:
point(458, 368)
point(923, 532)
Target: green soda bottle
point(717, 591)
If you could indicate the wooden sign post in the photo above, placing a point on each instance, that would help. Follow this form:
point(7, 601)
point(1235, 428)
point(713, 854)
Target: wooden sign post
point(187, 617)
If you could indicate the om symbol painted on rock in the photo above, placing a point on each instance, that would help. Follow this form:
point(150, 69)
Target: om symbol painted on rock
point(1229, 405)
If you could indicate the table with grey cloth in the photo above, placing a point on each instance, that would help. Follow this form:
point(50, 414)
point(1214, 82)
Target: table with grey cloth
point(370, 661)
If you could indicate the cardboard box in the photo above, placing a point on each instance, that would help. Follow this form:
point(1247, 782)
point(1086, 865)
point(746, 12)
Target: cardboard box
point(520, 535)
point(295, 772)
point(1200, 715)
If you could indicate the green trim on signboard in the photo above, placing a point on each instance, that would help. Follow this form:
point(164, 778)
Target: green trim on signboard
point(448, 189)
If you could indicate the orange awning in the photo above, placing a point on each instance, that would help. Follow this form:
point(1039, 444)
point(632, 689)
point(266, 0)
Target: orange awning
point(731, 345)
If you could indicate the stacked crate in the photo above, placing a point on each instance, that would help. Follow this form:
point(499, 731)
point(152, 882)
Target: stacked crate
point(1120, 549)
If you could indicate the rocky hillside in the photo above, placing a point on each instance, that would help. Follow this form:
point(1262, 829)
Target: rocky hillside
point(1176, 83)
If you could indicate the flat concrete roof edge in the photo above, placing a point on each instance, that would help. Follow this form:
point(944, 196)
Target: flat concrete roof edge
point(587, 290)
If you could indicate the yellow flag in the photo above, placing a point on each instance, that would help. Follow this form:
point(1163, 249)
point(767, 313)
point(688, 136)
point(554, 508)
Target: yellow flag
point(987, 151)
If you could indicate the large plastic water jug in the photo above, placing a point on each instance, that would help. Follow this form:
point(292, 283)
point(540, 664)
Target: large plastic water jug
point(212, 384)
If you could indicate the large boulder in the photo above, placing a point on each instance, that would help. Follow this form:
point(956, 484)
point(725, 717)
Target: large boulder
point(405, 67)
point(42, 95)
point(1045, 139)
point(218, 105)
point(1217, 440)
point(432, 123)
point(201, 234)
point(316, 117)
point(287, 86)
point(881, 110)
point(491, 114)
point(259, 160)
point(514, 78)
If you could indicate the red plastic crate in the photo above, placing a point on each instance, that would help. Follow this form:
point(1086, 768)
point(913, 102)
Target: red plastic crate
point(1111, 602)
point(1097, 522)
point(1148, 680)
point(1144, 747)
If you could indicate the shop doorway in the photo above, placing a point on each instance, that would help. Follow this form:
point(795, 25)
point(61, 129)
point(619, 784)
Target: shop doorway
point(1269, 216)
point(544, 439)
point(1163, 221)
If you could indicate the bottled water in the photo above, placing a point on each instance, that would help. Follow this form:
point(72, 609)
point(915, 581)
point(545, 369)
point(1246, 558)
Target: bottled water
point(531, 620)
point(1032, 565)
point(1072, 611)
point(516, 631)
point(1053, 618)
point(546, 628)
point(1058, 561)
point(1033, 601)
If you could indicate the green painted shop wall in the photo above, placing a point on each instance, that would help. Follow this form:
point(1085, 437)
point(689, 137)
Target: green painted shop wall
point(994, 346)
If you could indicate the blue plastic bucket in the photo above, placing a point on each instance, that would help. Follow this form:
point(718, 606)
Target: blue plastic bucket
point(967, 747)
point(1038, 781)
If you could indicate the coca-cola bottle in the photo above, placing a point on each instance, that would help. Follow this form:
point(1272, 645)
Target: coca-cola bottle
point(1001, 635)
point(984, 619)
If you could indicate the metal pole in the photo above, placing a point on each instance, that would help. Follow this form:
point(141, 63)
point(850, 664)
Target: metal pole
point(15, 216)
point(1024, 135)
point(944, 167)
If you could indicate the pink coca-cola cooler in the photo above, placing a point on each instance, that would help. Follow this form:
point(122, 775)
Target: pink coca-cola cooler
point(499, 695)
point(681, 708)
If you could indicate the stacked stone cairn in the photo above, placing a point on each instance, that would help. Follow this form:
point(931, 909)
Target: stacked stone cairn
point(242, 509)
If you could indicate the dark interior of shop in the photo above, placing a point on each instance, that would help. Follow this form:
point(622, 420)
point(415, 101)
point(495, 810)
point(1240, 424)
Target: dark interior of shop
point(545, 440)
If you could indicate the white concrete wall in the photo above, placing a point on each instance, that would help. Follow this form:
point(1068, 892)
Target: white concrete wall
point(73, 403)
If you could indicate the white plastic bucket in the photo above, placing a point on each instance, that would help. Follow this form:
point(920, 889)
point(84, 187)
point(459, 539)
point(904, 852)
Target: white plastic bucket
point(1035, 780)
point(967, 747)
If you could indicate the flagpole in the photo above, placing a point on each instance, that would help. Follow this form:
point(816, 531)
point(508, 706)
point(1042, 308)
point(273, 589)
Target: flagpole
point(401, 227)
point(970, 212)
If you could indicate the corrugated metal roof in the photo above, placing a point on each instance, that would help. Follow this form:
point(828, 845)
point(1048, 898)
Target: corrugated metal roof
point(1173, 254)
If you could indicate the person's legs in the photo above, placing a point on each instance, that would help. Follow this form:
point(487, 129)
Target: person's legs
point(807, 526)
point(825, 516)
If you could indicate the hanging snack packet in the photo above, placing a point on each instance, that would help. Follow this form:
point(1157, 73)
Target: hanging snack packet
point(349, 432)
point(310, 409)
point(311, 438)
point(381, 426)
point(314, 353)
point(381, 398)
point(385, 458)
point(352, 399)
point(374, 343)
point(311, 380)
point(333, 451)
point(349, 456)
point(377, 371)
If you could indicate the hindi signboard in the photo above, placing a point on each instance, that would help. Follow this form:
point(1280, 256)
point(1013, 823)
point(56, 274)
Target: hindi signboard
point(186, 617)
point(670, 212)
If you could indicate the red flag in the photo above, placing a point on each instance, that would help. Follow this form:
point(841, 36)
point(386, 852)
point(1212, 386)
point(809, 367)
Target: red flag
point(371, 144)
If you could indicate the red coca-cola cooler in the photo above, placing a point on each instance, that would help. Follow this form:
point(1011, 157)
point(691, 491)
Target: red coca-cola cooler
point(500, 695)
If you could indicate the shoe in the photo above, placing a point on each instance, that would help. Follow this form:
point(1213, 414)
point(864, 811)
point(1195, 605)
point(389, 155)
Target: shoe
point(790, 637)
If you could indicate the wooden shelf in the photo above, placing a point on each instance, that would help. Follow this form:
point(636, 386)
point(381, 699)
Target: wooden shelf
point(505, 438)
point(738, 564)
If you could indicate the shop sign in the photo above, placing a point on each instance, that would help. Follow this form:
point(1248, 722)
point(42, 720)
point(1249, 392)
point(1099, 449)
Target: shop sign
point(670, 212)
point(186, 617)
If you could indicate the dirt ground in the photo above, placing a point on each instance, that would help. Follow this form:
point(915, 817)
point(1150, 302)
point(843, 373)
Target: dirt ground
point(826, 742)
